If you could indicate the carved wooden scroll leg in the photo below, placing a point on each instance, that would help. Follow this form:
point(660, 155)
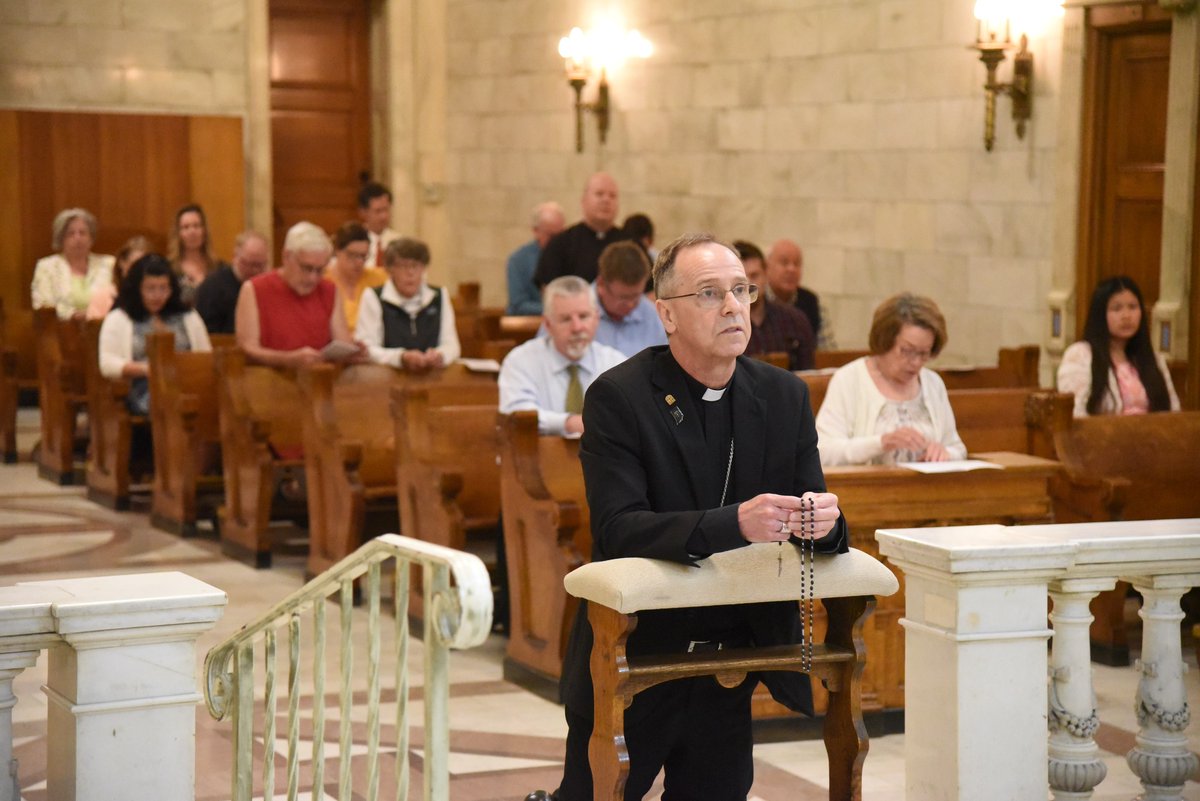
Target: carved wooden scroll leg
point(607, 755)
point(845, 735)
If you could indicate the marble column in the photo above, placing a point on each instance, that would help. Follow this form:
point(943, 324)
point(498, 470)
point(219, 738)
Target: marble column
point(123, 692)
point(1075, 766)
point(1161, 758)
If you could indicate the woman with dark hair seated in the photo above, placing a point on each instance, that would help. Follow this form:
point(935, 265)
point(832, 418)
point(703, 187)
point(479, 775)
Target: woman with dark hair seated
point(148, 300)
point(889, 407)
point(1114, 369)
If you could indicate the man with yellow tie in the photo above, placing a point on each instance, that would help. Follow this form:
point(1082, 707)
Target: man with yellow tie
point(551, 373)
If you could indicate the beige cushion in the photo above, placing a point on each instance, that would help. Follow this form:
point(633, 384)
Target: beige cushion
point(746, 575)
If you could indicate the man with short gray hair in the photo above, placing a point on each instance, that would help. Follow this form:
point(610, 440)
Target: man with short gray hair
point(289, 316)
point(523, 296)
point(217, 295)
point(551, 373)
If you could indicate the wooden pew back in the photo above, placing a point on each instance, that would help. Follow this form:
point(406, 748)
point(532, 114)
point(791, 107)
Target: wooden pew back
point(994, 420)
point(112, 425)
point(1016, 367)
point(446, 461)
point(185, 419)
point(547, 534)
point(61, 393)
point(261, 413)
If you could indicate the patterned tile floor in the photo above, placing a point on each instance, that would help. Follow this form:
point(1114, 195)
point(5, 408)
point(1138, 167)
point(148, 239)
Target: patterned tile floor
point(504, 741)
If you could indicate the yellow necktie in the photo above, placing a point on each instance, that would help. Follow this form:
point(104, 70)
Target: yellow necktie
point(574, 391)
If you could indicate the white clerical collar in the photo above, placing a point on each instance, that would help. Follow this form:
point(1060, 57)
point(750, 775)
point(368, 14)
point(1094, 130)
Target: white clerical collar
point(714, 394)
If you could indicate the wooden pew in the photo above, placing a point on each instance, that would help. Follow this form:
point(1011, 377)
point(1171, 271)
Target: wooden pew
point(1015, 367)
point(61, 395)
point(187, 434)
point(261, 413)
point(348, 456)
point(825, 359)
point(547, 534)
point(473, 320)
point(446, 465)
point(9, 392)
point(1137, 467)
point(111, 463)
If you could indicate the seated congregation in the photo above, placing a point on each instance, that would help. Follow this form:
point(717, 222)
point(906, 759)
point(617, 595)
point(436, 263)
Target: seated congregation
point(244, 393)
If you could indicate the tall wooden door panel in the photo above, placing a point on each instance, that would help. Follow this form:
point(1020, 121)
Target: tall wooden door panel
point(1124, 157)
point(319, 109)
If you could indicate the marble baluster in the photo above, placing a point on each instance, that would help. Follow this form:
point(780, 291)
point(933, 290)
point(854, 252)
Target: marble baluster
point(1075, 766)
point(1161, 758)
point(11, 665)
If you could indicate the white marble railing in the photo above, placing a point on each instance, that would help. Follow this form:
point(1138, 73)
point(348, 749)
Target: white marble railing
point(976, 687)
point(122, 682)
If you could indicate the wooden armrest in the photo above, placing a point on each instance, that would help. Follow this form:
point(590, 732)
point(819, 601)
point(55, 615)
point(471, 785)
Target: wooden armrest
point(1089, 498)
point(757, 573)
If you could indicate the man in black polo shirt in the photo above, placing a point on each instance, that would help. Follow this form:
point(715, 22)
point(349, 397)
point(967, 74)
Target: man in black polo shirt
point(217, 295)
point(576, 251)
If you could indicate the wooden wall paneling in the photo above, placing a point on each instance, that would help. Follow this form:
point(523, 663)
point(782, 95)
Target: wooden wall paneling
point(222, 192)
point(14, 283)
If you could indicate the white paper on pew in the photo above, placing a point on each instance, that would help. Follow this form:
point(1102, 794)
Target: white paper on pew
point(960, 466)
point(480, 365)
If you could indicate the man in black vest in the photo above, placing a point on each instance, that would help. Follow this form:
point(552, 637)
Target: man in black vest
point(408, 323)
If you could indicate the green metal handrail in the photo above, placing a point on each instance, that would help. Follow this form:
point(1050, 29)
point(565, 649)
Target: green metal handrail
point(457, 601)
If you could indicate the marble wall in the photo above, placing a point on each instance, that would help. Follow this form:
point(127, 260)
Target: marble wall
point(136, 55)
point(853, 127)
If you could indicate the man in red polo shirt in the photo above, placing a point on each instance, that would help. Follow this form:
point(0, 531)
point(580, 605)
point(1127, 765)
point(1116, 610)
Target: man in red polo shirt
point(287, 317)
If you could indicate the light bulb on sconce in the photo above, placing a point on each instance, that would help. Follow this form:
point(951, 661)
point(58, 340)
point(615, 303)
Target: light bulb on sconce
point(993, 37)
point(599, 49)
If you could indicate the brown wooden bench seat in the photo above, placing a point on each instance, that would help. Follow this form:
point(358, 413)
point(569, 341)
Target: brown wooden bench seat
point(1117, 467)
point(547, 534)
point(187, 435)
point(62, 394)
point(111, 464)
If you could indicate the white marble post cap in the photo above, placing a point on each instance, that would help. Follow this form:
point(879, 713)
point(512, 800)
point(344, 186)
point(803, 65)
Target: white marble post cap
point(753, 574)
point(977, 549)
point(139, 600)
point(27, 610)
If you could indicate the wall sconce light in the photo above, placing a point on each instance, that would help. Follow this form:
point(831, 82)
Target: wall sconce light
point(599, 49)
point(992, 39)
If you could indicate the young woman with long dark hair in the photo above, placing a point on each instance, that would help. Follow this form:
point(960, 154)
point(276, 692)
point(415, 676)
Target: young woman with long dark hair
point(1114, 369)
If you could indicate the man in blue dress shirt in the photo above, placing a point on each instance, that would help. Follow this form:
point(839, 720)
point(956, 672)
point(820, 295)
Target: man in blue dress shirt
point(523, 295)
point(628, 320)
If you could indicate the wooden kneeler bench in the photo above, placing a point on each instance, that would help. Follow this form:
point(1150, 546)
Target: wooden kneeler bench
point(617, 589)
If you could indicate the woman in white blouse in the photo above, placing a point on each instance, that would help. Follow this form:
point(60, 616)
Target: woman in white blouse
point(1113, 369)
point(407, 323)
point(888, 407)
point(149, 300)
point(67, 279)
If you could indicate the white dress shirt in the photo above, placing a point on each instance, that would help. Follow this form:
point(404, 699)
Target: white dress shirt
point(378, 244)
point(534, 376)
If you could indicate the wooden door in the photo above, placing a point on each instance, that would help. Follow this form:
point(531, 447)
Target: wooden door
point(320, 141)
point(1125, 115)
